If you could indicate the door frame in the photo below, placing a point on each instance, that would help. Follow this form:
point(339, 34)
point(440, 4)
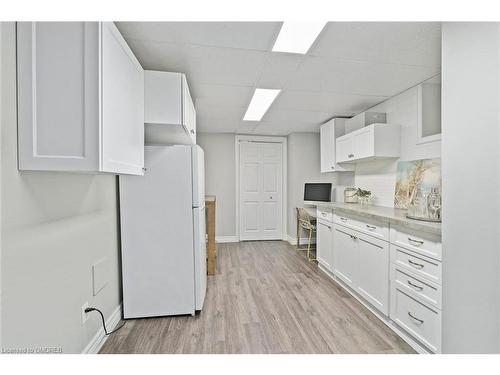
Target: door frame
point(262, 139)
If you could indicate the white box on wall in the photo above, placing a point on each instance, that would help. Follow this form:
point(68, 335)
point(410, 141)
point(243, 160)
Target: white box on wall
point(363, 119)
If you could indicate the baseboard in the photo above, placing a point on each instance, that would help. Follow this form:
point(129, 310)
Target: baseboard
point(100, 338)
point(303, 241)
point(226, 239)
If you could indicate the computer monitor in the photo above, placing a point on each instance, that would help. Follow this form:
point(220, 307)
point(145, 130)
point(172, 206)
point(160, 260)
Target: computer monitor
point(318, 192)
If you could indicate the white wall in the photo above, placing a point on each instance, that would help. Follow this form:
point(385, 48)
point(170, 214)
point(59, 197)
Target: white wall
point(54, 227)
point(303, 166)
point(380, 176)
point(220, 180)
point(471, 187)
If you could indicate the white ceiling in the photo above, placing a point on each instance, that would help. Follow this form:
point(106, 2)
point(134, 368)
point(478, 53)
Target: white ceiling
point(350, 67)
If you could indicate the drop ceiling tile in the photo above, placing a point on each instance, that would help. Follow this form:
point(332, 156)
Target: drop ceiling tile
point(343, 104)
point(213, 65)
point(210, 112)
point(220, 95)
point(224, 66)
point(242, 35)
point(284, 127)
point(161, 56)
point(412, 43)
point(283, 115)
point(278, 69)
point(216, 126)
point(357, 77)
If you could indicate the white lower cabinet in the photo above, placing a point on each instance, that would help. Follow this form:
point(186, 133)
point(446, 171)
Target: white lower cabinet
point(362, 262)
point(398, 279)
point(324, 244)
point(346, 255)
point(421, 321)
point(416, 293)
point(373, 272)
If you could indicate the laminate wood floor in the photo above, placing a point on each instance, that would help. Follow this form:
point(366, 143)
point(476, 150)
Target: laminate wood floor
point(265, 298)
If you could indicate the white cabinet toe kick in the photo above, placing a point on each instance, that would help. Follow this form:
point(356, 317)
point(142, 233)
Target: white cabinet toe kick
point(395, 272)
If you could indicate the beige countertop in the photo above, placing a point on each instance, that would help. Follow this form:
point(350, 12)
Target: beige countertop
point(395, 216)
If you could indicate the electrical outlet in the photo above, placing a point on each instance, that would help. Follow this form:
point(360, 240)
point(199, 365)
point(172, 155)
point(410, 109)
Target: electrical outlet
point(85, 315)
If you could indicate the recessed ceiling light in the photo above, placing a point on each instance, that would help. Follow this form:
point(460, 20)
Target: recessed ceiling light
point(297, 37)
point(260, 103)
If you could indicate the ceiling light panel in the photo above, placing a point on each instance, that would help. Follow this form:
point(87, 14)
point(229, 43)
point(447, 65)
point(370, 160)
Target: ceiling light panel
point(260, 103)
point(297, 37)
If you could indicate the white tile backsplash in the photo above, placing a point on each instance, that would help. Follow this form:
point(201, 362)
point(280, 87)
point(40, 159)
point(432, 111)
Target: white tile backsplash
point(379, 176)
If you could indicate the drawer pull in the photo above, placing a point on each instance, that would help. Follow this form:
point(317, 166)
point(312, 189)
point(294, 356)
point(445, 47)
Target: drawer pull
point(416, 265)
point(350, 155)
point(420, 321)
point(343, 219)
point(415, 286)
point(371, 227)
point(329, 227)
point(323, 213)
point(353, 237)
point(415, 242)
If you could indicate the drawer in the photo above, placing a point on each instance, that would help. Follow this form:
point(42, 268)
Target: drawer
point(419, 320)
point(416, 287)
point(325, 214)
point(372, 227)
point(421, 267)
point(420, 242)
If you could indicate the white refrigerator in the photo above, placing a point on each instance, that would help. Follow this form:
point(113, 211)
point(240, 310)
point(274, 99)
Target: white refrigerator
point(162, 221)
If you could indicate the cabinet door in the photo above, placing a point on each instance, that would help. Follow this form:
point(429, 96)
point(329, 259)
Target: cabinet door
point(373, 267)
point(162, 98)
point(122, 105)
point(344, 150)
point(346, 255)
point(58, 93)
point(188, 110)
point(327, 141)
point(364, 145)
point(324, 245)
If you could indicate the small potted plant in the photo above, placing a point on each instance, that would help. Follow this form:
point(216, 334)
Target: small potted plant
point(363, 196)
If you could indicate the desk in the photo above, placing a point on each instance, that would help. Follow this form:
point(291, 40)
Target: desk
point(212, 248)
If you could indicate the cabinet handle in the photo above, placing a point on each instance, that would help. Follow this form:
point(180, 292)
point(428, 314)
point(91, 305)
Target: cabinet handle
point(329, 227)
point(371, 227)
point(343, 219)
point(192, 131)
point(415, 286)
point(416, 265)
point(420, 321)
point(350, 155)
point(419, 243)
point(353, 237)
point(323, 213)
point(332, 167)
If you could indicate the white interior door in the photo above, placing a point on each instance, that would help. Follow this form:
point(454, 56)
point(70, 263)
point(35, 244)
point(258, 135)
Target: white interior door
point(261, 191)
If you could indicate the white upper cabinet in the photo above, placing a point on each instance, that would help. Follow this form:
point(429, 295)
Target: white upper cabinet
point(328, 134)
point(169, 113)
point(80, 99)
point(375, 141)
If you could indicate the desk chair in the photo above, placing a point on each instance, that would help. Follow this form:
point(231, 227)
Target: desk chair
point(308, 223)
